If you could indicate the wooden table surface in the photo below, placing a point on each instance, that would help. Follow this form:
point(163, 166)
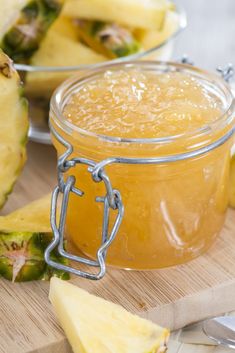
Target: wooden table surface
point(209, 41)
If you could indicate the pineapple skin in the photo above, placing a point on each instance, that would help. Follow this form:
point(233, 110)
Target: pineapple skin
point(24, 236)
point(25, 35)
point(232, 183)
point(27, 248)
point(109, 39)
point(13, 245)
point(17, 136)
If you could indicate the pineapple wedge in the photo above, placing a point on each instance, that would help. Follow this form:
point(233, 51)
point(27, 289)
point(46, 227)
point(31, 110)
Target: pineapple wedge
point(13, 126)
point(56, 50)
point(149, 14)
point(24, 236)
point(109, 39)
point(23, 24)
point(232, 183)
point(22, 257)
point(150, 39)
point(34, 217)
point(94, 325)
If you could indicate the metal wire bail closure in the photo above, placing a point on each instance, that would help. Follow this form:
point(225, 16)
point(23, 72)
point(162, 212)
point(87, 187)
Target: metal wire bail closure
point(112, 200)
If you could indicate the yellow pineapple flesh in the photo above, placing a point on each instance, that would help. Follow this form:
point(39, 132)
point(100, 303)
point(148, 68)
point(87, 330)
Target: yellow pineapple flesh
point(151, 38)
point(57, 50)
point(13, 126)
point(95, 325)
point(149, 14)
point(65, 26)
point(34, 217)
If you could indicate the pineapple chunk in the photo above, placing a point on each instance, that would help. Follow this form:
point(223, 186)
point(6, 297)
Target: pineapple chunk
point(109, 39)
point(150, 39)
point(34, 217)
point(149, 14)
point(232, 183)
point(94, 325)
point(24, 236)
point(13, 127)
point(21, 256)
point(23, 24)
point(57, 50)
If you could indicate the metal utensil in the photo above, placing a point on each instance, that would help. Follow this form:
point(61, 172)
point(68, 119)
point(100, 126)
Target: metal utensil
point(221, 329)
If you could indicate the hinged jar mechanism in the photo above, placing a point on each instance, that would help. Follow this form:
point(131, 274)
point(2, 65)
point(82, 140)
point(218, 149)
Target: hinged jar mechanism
point(148, 203)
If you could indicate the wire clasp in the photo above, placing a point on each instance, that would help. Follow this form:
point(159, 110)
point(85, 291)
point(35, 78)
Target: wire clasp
point(111, 200)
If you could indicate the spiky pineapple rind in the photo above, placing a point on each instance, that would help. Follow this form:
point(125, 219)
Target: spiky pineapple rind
point(25, 35)
point(22, 257)
point(109, 39)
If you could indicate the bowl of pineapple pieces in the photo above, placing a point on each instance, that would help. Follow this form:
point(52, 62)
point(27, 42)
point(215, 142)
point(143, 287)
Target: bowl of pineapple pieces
point(50, 40)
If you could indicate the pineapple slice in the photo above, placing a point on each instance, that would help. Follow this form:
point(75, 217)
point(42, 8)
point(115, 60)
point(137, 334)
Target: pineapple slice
point(149, 14)
point(150, 39)
point(94, 325)
point(232, 183)
point(23, 24)
point(109, 39)
point(13, 127)
point(22, 257)
point(34, 217)
point(57, 50)
point(24, 236)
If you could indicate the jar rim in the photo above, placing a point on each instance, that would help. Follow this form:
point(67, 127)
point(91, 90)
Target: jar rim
point(66, 89)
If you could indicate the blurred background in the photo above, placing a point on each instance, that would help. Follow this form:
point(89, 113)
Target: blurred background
point(209, 39)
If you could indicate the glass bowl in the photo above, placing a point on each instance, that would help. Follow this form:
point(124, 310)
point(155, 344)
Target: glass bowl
point(47, 78)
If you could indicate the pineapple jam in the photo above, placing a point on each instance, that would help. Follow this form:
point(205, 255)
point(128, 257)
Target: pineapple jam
point(174, 210)
point(134, 104)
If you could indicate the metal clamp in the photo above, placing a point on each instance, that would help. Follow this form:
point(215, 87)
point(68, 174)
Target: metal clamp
point(226, 72)
point(186, 60)
point(112, 199)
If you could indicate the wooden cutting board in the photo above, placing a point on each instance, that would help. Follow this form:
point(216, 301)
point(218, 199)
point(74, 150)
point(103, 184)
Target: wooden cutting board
point(172, 297)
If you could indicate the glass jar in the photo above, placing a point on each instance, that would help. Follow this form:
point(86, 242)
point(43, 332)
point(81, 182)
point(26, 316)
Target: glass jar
point(174, 190)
